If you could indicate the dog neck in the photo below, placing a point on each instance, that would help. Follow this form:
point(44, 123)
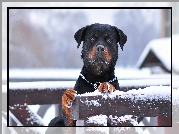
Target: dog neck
point(96, 84)
point(94, 79)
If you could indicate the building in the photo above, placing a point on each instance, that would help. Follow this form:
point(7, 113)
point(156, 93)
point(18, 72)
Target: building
point(158, 55)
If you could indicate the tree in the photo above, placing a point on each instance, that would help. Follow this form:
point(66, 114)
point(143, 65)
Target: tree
point(44, 38)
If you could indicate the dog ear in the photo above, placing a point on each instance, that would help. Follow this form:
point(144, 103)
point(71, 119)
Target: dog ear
point(122, 38)
point(80, 34)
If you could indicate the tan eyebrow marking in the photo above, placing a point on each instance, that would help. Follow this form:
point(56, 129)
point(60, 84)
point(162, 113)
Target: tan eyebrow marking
point(106, 35)
point(96, 35)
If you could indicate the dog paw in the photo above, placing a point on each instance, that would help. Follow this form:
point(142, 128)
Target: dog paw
point(68, 97)
point(106, 87)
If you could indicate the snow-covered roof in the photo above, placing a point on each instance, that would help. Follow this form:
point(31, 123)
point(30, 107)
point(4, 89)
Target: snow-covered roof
point(162, 49)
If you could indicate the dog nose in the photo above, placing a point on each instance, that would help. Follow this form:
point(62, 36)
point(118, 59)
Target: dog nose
point(100, 48)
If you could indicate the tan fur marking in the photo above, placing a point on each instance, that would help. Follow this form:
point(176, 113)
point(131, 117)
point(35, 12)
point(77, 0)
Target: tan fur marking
point(106, 87)
point(106, 35)
point(96, 35)
point(67, 98)
point(92, 53)
point(107, 54)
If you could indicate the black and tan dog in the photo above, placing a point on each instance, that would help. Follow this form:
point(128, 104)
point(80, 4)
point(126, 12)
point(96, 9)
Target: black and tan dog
point(99, 54)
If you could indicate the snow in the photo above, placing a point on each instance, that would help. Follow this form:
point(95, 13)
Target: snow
point(98, 119)
point(92, 102)
point(147, 80)
point(102, 119)
point(152, 92)
point(15, 119)
point(41, 85)
point(96, 92)
point(44, 73)
point(115, 120)
point(34, 118)
point(148, 93)
point(163, 51)
point(132, 73)
point(144, 82)
point(49, 115)
point(162, 48)
point(73, 74)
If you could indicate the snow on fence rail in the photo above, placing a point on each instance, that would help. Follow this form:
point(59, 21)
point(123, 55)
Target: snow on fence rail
point(32, 93)
point(120, 107)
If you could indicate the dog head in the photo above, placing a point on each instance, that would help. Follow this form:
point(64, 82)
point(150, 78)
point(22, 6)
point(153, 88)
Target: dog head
point(100, 49)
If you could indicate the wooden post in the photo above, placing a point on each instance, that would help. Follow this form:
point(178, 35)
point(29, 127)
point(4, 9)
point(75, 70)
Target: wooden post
point(164, 121)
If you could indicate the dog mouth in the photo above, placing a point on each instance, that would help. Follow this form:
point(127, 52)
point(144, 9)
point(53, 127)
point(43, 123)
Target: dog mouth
point(99, 55)
point(98, 61)
point(99, 66)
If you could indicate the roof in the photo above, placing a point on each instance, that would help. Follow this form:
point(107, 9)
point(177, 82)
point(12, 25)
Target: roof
point(161, 48)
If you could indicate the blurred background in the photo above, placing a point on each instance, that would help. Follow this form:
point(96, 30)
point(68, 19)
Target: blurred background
point(44, 38)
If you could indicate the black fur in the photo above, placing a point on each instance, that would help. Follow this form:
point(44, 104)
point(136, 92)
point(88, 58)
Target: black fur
point(99, 54)
point(85, 34)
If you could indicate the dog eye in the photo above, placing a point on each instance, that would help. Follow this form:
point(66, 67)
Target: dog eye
point(92, 39)
point(109, 40)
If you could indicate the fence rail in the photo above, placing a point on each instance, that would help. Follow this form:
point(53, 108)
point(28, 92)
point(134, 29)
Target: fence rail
point(120, 107)
point(23, 94)
point(22, 103)
point(115, 107)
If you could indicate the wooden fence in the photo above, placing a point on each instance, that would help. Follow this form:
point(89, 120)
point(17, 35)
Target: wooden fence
point(19, 98)
point(116, 110)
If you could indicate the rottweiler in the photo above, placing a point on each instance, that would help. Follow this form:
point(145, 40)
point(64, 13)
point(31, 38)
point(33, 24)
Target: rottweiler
point(99, 54)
